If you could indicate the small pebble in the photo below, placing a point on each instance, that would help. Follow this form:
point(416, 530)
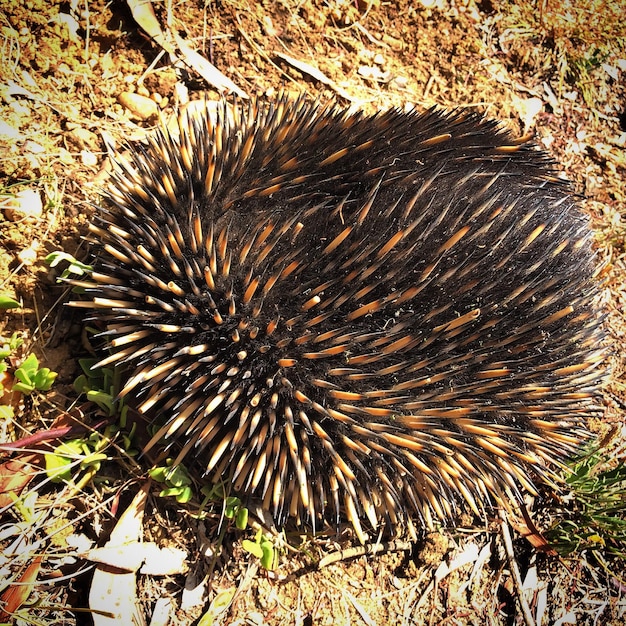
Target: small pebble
point(140, 107)
point(83, 138)
point(29, 255)
point(87, 157)
point(401, 81)
point(25, 204)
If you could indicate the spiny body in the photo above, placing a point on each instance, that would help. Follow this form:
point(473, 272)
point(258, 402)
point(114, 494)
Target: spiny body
point(342, 314)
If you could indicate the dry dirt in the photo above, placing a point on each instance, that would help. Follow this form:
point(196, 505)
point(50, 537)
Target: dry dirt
point(551, 69)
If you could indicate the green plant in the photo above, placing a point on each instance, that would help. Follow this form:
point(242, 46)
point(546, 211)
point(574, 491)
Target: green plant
point(9, 346)
point(176, 480)
point(178, 484)
point(101, 386)
point(25, 379)
point(232, 507)
point(7, 302)
point(31, 377)
point(263, 548)
point(70, 458)
point(74, 268)
point(598, 519)
point(79, 460)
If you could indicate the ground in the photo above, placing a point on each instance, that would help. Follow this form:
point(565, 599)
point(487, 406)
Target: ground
point(78, 76)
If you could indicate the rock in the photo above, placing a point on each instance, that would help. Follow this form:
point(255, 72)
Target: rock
point(140, 107)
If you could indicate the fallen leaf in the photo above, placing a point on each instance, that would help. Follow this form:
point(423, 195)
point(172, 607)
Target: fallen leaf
point(17, 474)
point(16, 594)
point(113, 592)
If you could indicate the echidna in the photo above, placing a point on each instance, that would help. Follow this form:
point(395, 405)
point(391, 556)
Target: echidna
point(340, 314)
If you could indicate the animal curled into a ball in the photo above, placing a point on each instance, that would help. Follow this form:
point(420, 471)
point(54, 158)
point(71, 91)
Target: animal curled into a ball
point(346, 316)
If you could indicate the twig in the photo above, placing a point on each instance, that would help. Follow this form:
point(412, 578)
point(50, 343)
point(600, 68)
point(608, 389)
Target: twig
point(314, 73)
point(178, 48)
point(517, 579)
point(375, 548)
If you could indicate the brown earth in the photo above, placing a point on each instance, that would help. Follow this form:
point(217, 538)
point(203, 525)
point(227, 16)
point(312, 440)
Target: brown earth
point(554, 69)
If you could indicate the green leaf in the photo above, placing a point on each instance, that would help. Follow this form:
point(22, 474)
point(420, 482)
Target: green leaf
point(94, 460)
point(178, 476)
point(124, 417)
point(241, 521)
point(86, 365)
point(231, 506)
point(6, 302)
point(185, 495)
point(172, 491)
point(158, 473)
point(25, 373)
point(6, 412)
point(24, 388)
point(74, 266)
point(216, 491)
point(252, 547)
point(59, 463)
point(269, 558)
point(80, 384)
point(44, 379)
point(104, 400)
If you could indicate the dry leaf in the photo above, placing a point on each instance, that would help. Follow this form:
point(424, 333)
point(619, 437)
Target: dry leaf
point(17, 474)
point(16, 594)
point(130, 557)
point(173, 44)
point(113, 593)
